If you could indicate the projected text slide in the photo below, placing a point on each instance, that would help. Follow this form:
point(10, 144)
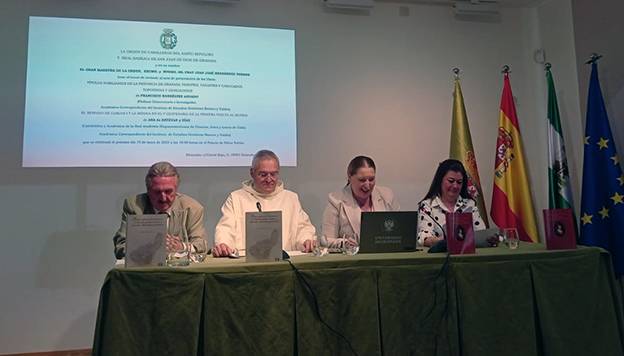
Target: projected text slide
point(104, 93)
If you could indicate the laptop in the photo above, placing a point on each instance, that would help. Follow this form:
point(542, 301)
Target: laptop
point(388, 231)
point(481, 236)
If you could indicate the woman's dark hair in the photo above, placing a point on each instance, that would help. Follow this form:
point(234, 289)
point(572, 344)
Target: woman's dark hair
point(448, 165)
point(359, 162)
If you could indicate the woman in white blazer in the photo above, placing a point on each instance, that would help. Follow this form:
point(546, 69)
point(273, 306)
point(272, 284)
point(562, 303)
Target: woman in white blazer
point(345, 206)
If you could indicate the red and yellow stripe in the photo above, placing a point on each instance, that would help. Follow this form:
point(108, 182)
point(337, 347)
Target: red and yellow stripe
point(512, 203)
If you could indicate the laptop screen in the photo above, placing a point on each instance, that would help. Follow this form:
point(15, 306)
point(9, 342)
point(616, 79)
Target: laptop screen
point(388, 231)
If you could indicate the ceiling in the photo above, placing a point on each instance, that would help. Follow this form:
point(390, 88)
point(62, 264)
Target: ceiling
point(501, 3)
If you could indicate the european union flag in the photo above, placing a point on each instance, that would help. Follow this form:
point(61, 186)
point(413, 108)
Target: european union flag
point(602, 204)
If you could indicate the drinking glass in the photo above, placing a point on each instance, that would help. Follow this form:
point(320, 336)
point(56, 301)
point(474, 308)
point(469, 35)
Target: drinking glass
point(351, 243)
point(322, 240)
point(178, 248)
point(199, 249)
point(319, 251)
point(512, 239)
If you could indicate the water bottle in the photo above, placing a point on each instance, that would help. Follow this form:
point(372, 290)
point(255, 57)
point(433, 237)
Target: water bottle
point(178, 243)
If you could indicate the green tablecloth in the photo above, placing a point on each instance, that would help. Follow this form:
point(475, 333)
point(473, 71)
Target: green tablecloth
point(497, 302)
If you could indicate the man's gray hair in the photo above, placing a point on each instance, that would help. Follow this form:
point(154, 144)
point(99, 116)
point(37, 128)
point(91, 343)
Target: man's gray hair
point(262, 155)
point(162, 169)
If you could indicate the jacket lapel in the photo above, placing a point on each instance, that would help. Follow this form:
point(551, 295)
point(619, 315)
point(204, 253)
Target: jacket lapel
point(351, 208)
point(145, 204)
point(378, 202)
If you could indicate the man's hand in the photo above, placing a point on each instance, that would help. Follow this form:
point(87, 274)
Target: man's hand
point(173, 243)
point(221, 250)
point(308, 245)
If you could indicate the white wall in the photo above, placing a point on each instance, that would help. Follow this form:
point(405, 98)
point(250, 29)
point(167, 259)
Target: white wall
point(599, 28)
point(371, 83)
point(555, 39)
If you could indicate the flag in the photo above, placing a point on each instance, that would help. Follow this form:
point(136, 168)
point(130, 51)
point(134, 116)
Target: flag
point(512, 204)
point(602, 206)
point(461, 149)
point(559, 190)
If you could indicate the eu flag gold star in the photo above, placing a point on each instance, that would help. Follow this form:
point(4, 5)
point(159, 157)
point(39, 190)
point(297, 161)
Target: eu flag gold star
point(621, 179)
point(602, 143)
point(615, 159)
point(604, 212)
point(586, 140)
point(586, 218)
point(617, 198)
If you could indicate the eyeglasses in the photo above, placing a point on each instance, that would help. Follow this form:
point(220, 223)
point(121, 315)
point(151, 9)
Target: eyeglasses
point(265, 175)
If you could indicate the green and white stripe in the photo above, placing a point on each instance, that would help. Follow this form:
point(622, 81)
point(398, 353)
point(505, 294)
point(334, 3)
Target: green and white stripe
point(559, 190)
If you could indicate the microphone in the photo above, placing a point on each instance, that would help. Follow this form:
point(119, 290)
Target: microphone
point(285, 255)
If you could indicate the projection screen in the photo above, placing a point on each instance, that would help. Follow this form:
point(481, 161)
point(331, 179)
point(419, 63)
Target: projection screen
point(106, 93)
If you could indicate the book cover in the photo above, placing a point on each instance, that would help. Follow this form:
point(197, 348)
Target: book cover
point(559, 228)
point(263, 236)
point(146, 240)
point(460, 234)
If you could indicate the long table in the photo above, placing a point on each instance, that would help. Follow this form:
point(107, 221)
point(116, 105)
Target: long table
point(528, 301)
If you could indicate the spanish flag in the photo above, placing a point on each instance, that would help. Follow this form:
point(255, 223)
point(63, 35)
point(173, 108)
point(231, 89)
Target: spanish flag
point(461, 149)
point(512, 204)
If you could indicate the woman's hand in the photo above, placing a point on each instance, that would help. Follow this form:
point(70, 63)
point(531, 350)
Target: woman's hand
point(494, 240)
point(431, 240)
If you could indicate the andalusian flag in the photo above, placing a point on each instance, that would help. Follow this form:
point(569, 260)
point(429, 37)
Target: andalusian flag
point(461, 149)
point(512, 204)
point(559, 190)
point(602, 205)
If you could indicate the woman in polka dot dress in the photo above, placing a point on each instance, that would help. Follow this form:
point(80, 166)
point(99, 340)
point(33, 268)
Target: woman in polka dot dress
point(448, 194)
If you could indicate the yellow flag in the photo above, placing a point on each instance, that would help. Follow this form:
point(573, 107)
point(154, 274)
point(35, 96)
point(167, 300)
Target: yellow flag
point(461, 149)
